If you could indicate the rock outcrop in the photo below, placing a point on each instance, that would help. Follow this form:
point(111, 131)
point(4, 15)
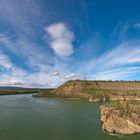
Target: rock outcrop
point(113, 121)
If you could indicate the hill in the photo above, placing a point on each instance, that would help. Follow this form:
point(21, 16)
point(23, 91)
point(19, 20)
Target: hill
point(95, 90)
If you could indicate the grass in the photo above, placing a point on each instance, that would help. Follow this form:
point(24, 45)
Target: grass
point(100, 93)
point(44, 92)
point(106, 93)
point(126, 107)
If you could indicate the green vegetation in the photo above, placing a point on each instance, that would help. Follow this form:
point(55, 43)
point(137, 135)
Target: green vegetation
point(126, 107)
point(18, 91)
point(43, 92)
point(111, 81)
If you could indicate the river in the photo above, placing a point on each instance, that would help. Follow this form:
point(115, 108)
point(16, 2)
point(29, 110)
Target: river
point(25, 118)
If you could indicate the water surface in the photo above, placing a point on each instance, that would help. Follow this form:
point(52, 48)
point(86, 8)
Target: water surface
point(25, 118)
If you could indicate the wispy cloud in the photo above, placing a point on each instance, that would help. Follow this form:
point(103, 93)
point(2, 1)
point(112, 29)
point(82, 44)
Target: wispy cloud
point(61, 39)
point(117, 63)
point(137, 25)
point(25, 58)
point(4, 61)
point(22, 16)
point(71, 76)
point(48, 71)
point(121, 31)
point(26, 49)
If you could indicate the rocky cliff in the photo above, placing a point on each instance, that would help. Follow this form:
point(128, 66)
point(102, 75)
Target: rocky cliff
point(121, 120)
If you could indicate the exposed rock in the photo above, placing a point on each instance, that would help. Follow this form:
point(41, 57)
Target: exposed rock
point(95, 99)
point(114, 122)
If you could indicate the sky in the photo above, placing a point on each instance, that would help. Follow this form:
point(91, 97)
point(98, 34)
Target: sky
point(44, 43)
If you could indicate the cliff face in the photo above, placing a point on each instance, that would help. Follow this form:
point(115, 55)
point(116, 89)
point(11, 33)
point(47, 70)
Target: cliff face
point(114, 122)
point(97, 90)
point(88, 86)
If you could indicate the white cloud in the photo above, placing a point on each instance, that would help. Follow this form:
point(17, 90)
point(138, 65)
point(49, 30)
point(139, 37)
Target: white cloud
point(55, 73)
point(71, 76)
point(45, 76)
point(61, 39)
point(37, 64)
point(37, 59)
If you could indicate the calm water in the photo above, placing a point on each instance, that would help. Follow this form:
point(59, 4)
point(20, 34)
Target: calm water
point(25, 118)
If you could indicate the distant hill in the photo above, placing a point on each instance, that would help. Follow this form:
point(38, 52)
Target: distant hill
point(10, 90)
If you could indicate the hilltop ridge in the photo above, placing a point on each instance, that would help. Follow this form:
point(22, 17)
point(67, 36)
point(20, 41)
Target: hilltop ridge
point(95, 90)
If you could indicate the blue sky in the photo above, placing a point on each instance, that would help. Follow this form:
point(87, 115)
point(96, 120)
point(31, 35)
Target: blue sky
point(44, 43)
